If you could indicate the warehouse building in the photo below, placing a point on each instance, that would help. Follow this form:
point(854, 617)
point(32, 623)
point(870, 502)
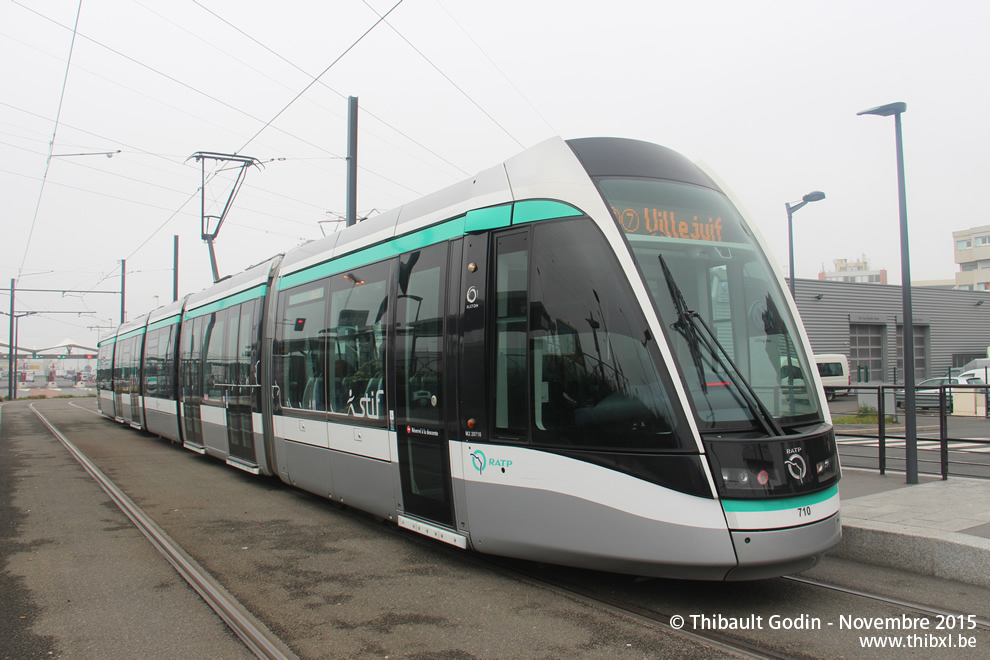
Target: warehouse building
point(863, 322)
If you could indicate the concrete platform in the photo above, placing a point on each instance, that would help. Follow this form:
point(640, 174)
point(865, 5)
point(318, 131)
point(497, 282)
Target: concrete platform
point(937, 528)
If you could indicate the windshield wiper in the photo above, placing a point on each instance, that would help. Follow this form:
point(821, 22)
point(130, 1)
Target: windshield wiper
point(683, 324)
point(688, 323)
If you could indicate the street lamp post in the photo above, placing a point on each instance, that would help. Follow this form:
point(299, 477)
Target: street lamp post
point(910, 417)
point(813, 196)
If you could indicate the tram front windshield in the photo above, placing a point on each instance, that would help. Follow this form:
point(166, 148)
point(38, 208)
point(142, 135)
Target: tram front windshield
point(724, 313)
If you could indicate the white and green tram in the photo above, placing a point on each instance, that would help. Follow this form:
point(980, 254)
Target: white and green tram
point(581, 356)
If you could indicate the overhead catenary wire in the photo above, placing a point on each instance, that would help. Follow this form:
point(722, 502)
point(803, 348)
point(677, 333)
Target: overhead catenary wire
point(364, 111)
point(497, 67)
point(51, 145)
point(182, 209)
point(267, 124)
point(174, 79)
point(157, 230)
point(279, 82)
point(331, 155)
point(314, 81)
point(448, 78)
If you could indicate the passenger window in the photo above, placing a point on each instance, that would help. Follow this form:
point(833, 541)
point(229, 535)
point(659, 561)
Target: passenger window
point(301, 346)
point(152, 363)
point(356, 336)
point(189, 360)
point(511, 264)
point(419, 334)
point(596, 383)
point(166, 354)
point(214, 376)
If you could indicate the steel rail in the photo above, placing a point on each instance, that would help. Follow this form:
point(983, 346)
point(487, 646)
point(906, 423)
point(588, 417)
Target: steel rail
point(252, 632)
point(917, 607)
point(642, 615)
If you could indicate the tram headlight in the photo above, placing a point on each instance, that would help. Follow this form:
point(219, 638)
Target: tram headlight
point(735, 477)
point(748, 478)
point(826, 469)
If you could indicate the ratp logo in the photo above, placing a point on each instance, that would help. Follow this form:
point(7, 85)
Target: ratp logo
point(478, 458)
point(796, 467)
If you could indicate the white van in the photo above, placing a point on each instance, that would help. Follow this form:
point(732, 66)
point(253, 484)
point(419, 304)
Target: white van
point(982, 375)
point(978, 369)
point(834, 371)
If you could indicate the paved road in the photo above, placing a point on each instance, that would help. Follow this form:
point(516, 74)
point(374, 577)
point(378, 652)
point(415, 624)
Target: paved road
point(333, 583)
point(76, 577)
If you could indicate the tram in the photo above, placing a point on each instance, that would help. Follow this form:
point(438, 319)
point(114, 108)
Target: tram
point(581, 356)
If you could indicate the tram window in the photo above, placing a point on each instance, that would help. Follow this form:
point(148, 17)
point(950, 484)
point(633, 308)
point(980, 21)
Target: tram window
point(114, 371)
point(104, 367)
point(594, 363)
point(214, 375)
point(166, 376)
point(247, 343)
point(152, 363)
point(721, 314)
point(511, 257)
point(129, 365)
point(301, 346)
point(356, 339)
point(120, 366)
point(784, 392)
point(231, 371)
point(123, 370)
point(192, 351)
point(136, 364)
point(419, 334)
point(185, 357)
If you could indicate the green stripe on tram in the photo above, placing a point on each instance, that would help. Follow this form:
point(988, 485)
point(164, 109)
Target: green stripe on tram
point(396, 246)
point(229, 301)
point(133, 333)
point(541, 209)
point(172, 320)
point(763, 506)
point(492, 217)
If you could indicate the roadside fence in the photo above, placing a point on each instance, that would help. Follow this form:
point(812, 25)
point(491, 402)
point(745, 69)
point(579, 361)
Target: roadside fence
point(961, 412)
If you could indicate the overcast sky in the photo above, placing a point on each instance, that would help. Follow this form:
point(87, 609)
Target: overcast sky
point(764, 93)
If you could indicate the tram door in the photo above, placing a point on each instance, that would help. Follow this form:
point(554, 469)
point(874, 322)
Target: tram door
point(119, 362)
point(420, 419)
point(191, 381)
point(241, 353)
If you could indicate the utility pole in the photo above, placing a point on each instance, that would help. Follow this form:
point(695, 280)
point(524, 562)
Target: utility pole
point(13, 347)
point(123, 265)
point(175, 268)
point(352, 122)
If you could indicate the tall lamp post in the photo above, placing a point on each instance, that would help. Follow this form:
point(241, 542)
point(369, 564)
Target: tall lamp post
point(814, 196)
point(910, 417)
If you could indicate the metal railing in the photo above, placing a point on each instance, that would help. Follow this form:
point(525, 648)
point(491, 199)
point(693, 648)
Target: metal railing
point(942, 405)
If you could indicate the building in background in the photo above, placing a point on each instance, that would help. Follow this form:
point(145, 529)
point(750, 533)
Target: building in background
point(854, 271)
point(973, 256)
point(863, 322)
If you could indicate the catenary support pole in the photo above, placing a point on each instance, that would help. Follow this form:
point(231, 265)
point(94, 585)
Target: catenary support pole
point(123, 266)
point(352, 122)
point(12, 362)
point(175, 268)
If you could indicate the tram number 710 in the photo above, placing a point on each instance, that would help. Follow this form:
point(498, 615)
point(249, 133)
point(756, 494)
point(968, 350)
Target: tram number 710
point(804, 511)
